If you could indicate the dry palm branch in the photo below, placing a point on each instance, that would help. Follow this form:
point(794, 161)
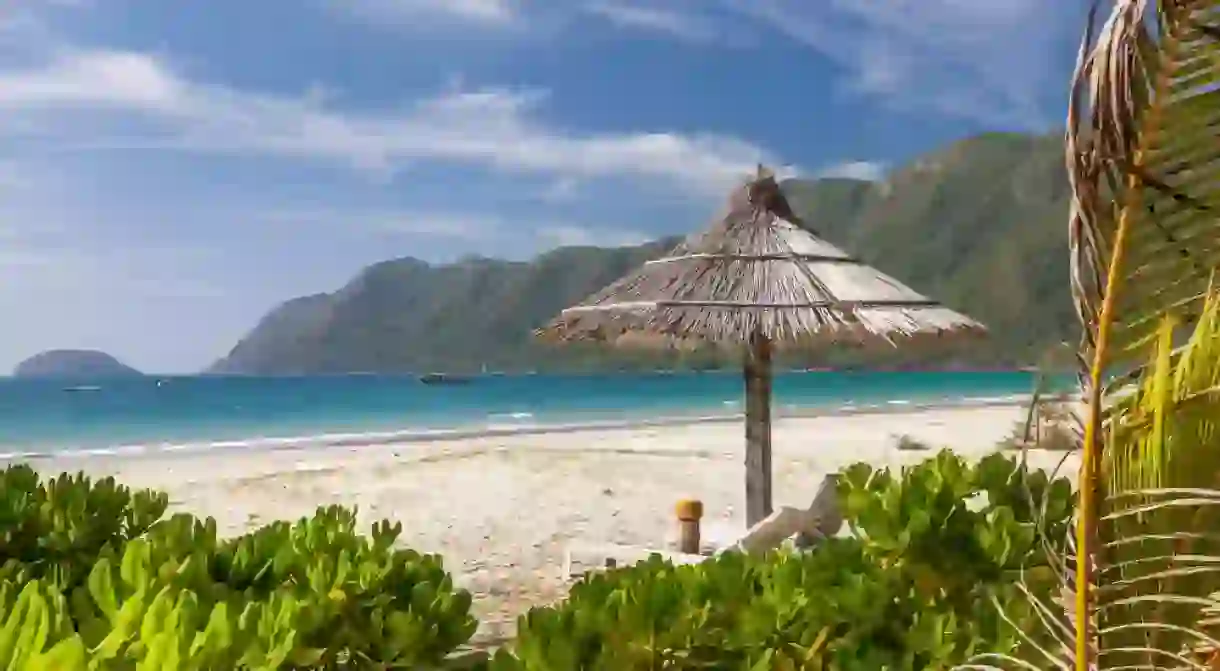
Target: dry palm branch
point(1143, 157)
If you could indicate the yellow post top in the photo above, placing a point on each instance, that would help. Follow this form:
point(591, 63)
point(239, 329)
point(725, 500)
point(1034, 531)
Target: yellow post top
point(689, 510)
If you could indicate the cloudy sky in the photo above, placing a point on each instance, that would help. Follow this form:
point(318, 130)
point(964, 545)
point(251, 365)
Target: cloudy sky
point(169, 170)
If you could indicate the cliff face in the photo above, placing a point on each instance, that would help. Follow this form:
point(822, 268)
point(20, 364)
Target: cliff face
point(74, 364)
point(979, 225)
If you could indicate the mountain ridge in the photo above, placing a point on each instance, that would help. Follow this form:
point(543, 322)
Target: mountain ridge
point(978, 224)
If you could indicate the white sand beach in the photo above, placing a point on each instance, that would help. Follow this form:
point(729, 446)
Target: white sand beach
point(502, 509)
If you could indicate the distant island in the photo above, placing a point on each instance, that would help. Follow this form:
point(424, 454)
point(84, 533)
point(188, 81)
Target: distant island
point(978, 225)
point(73, 364)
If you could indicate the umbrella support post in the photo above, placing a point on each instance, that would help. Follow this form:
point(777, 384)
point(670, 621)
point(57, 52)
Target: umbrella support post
point(758, 429)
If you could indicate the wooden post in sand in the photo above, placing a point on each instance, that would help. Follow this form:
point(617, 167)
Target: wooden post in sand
point(758, 428)
point(689, 512)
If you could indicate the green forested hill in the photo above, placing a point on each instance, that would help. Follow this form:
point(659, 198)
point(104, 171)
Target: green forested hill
point(980, 225)
point(406, 315)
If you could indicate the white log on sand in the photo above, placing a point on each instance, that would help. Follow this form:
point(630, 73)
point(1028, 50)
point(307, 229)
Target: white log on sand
point(821, 519)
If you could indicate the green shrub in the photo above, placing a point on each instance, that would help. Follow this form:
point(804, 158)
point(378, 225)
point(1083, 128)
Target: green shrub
point(168, 594)
point(56, 529)
point(967, 524)
point(36, 633)
point(832, 607)
point(934, 551)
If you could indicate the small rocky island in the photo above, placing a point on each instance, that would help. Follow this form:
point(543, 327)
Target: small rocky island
point(73, 364)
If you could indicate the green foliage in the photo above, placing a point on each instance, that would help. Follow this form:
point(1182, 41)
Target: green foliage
point(833, 607)
point(56, 529)
point(916, 585)
point(132, 590)
point(36, 633)
point(968, 524)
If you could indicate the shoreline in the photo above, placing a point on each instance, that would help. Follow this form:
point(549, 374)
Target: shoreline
point(459, 433)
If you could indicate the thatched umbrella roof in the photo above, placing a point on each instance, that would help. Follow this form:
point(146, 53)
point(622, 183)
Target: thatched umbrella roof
point(759, 270)
point(762, 278)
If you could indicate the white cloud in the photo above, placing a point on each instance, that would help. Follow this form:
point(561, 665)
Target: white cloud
point(13, 178)
point(55, 246)
point(560, 190)
point(985, 60)
point(74, 4)
point(682, 25)
point(157, 108)
point(989, 61)
point(569, 235)
point(492, 12)
point(477, 230)
point(93, 79)
point(434, 224)
point(871, 171)
point(56, 271)
point(458, 226)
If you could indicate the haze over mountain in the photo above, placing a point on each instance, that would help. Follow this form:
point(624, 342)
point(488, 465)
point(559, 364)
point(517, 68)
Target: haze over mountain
point(73, 364)
point(979, 225)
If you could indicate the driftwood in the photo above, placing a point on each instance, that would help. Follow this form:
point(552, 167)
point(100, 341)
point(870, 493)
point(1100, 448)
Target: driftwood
point(822, 519)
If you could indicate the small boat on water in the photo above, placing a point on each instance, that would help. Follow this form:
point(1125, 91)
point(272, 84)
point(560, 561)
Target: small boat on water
point(83, 387)
point(443, 378)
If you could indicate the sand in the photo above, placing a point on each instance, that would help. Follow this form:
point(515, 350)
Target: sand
point(502, 509)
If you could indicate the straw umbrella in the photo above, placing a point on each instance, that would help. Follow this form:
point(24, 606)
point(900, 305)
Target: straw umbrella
point(762, 278)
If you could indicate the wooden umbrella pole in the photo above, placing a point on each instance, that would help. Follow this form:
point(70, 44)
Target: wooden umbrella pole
point(758, 428)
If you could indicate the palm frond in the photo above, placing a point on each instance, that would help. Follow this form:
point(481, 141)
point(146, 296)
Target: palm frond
point(1161, 467)
point(1143, 165)
point(1155, 597)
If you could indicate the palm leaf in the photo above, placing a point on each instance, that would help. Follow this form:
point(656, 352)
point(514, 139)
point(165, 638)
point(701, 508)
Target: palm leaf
point(1141, 151)
point(1160, 467)
point(1154, 602)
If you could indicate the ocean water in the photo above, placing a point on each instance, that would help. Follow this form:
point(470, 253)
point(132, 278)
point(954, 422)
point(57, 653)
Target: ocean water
point(41, 416)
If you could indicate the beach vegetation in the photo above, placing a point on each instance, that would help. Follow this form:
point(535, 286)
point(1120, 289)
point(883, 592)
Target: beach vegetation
point(1050, 424)
point(56, 529)
point(937, 565)
point(929, 552)
point(138, 590)
point(1144, 511)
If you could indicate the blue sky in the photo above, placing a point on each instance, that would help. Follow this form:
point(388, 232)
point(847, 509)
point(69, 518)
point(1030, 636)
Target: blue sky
point(170, 170)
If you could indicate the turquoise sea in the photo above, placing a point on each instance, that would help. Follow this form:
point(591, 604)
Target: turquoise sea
point(134, 415)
